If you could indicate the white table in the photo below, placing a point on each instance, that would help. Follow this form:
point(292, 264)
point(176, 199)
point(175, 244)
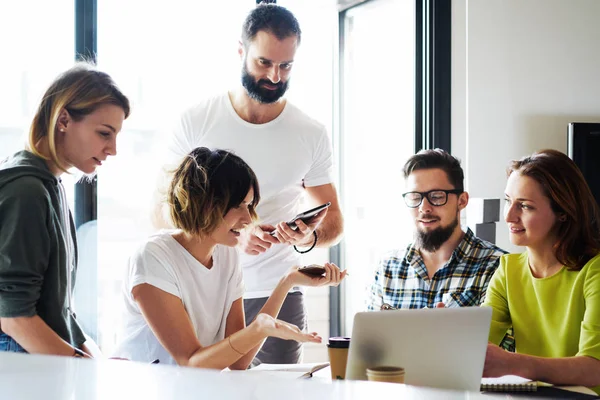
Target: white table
point(25, 377)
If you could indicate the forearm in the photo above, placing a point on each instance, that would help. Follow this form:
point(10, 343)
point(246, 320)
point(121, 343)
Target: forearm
point(235, 351)
point(576, 371)
point(35, 336)
point(329, 232)
point(275, 301)
point(272, 308)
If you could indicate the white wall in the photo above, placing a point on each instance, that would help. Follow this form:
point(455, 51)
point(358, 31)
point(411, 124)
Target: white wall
point(522, 70)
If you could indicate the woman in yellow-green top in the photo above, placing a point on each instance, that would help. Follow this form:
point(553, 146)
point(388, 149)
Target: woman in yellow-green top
point(549, 294)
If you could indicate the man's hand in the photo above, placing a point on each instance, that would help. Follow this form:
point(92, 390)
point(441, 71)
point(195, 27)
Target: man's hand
point(303, 235)
point(497, 362)
point(255, 240)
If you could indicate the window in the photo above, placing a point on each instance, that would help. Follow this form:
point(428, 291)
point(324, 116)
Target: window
point(38, 50)
point(377, 135)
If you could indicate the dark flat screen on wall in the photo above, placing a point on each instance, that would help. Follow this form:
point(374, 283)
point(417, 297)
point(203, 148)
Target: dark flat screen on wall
point(584, 149)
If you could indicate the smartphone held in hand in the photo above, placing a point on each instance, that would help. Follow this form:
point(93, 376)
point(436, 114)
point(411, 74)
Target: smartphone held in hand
point(312, 270)
point(306, 216)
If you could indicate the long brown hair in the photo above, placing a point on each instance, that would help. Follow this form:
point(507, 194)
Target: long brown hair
point(578, 236)
point(79, 90)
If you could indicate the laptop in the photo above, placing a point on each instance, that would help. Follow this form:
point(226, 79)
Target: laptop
point(437, 347)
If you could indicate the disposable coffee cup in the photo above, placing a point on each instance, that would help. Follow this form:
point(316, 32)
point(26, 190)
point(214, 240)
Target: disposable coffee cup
point(386, 374)
point(338, 356)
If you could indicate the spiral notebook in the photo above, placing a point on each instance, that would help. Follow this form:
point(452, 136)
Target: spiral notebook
point(510, 383)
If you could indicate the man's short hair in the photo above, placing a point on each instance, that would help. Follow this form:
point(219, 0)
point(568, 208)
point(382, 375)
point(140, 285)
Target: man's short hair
point(437, 158)
point(271, 18)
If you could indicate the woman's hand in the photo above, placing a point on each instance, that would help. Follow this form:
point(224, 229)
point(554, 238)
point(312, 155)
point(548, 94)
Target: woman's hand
point(283, 330)
point(497, 362)
point(333, 276)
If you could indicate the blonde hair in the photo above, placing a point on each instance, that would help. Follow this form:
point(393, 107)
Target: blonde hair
point(205, 186)
point(80, 91)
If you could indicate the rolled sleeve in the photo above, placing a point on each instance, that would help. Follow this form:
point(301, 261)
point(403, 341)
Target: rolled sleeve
point(147, 267)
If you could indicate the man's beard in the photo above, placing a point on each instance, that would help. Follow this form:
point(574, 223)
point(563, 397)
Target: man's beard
point(260, 94)
point(431, 241)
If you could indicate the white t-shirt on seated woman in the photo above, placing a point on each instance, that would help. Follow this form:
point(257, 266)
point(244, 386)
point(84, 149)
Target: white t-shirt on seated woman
point(206, 294)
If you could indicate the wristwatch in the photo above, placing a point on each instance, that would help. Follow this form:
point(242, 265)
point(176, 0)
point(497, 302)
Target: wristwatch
point(78, 353)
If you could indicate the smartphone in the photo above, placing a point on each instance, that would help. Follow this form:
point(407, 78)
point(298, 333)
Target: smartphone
point(306, 216)
point(312, 270)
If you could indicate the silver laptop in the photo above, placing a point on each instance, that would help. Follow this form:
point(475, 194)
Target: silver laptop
point(437, 347)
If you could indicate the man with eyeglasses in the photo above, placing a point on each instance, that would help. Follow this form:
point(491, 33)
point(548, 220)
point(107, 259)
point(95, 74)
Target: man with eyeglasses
point(444, 266)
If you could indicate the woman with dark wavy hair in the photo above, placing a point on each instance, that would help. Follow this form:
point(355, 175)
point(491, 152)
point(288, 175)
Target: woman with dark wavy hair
point(550, 294)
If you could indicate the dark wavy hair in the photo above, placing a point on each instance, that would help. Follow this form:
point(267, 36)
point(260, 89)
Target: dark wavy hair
point(270, 18)
point(205, 186)
point(578, 236)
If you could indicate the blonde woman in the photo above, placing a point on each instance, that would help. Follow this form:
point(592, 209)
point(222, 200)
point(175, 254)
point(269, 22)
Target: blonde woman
point(75, 126)
point(183, 290)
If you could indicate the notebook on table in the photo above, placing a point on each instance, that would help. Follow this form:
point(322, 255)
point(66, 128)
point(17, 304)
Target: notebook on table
point(510, 383)
point(522, 387)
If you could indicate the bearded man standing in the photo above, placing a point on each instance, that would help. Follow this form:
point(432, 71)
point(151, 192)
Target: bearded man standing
point(291, 155)
point(444, 264)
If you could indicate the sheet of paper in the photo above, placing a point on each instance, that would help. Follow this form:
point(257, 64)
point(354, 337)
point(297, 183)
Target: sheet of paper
point(300, 368)
point(505, 380)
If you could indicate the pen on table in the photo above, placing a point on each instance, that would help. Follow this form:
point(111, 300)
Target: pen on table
point(155, 361)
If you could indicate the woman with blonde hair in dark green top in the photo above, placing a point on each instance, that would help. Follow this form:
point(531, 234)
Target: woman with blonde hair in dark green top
point(75, 127)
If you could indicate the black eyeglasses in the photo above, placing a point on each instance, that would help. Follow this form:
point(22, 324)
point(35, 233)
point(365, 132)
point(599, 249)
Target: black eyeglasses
point(437, 197)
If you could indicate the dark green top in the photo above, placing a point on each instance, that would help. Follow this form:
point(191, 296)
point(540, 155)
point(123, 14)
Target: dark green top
point(35, 225)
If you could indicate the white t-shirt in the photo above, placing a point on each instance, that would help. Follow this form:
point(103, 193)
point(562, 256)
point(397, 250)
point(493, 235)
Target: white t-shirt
point(206, 294)
point(287, 154)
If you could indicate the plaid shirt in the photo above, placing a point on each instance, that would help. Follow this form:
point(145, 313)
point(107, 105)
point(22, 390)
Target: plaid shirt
point(401, 280)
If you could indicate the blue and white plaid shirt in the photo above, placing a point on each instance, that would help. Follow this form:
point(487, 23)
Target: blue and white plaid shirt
point(401, 280)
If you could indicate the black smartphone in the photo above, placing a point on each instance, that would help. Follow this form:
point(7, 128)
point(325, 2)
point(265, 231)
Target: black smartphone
point(312, 270)
point(305, 216)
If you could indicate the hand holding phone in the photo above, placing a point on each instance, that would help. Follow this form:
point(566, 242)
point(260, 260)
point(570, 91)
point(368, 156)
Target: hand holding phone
point(305, 216)
point(315, 275)
point(312, 270)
